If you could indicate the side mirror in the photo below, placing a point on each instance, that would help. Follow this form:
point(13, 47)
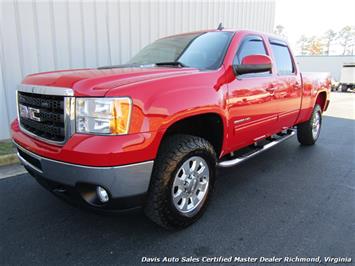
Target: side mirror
point(253, 64)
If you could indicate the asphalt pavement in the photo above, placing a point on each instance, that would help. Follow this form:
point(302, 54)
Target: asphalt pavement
point(288, 201)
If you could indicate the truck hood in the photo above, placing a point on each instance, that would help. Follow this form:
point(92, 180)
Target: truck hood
point(97, 82)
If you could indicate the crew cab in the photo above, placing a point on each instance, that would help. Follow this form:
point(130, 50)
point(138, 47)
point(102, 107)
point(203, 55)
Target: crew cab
point(150, 133)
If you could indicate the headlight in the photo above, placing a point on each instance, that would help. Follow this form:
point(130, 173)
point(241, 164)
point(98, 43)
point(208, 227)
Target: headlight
point(109, 116)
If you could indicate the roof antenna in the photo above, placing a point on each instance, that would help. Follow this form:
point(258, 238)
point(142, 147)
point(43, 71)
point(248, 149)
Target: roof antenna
point(220, 26)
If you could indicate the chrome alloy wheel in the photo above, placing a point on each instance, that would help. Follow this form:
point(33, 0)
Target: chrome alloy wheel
point(316, 125)
point(190, 185)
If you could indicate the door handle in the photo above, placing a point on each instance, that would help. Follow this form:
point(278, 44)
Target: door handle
point(271, 89)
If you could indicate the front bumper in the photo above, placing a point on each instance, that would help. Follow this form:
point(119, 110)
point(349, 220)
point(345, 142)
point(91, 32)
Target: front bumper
point(126, 184)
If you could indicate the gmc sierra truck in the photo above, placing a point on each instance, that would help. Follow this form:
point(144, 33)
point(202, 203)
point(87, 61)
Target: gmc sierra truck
point(150, 133)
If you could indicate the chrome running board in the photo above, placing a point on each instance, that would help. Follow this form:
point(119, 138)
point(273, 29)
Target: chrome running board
point(242, 158)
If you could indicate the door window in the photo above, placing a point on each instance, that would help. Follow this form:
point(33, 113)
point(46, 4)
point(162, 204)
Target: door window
point(283, 59)
point(251, 45)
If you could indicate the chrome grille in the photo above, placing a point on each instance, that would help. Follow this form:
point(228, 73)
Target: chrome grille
point(46, 113)
point(48, 119)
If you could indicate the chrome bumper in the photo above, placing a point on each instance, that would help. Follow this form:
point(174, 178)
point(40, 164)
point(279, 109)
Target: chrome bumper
point(121, 181)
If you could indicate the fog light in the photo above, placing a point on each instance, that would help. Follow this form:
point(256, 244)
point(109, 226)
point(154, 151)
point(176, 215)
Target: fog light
point(102, 194)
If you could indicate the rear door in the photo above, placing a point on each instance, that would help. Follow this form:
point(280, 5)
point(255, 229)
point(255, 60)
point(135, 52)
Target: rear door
point(287, 85)
point(253, 113)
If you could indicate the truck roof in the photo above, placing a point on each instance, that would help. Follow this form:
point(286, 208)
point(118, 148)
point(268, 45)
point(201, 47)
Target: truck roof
point(268, 35)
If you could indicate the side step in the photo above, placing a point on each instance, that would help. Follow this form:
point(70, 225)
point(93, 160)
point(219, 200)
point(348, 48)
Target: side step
point(234, 161)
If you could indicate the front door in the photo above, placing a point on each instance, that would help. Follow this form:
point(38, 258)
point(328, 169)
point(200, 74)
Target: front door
point(252, 110)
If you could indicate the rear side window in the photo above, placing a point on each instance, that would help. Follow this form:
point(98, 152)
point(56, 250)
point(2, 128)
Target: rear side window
point(251, 45)
point(282, 58)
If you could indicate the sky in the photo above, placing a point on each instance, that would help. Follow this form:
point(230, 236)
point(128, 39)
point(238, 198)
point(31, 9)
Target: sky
point(313, 17)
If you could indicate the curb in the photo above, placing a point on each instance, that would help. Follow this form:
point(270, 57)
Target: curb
point(8, 159)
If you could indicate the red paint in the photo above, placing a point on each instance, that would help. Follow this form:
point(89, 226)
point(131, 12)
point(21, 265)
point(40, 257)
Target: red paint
point(257, 59)
point(162, 96)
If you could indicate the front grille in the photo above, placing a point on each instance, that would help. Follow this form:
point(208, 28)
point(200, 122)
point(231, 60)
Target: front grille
point(48, 119)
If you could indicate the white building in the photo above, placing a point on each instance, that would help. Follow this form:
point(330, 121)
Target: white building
point(331, 64)
point(37, 36)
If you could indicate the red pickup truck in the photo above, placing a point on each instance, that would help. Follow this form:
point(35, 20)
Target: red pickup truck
point(150, 133)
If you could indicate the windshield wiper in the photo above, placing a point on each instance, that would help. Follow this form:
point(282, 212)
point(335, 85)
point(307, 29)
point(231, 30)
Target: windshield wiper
point(172, 63)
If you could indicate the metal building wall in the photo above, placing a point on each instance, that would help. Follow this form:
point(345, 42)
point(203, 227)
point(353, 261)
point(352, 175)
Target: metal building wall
point(37, 36)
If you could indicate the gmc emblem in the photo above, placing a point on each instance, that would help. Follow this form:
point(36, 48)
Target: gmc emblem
point(29, 113)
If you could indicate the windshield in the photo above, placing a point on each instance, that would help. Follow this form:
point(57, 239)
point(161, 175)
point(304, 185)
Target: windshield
point(201, 50)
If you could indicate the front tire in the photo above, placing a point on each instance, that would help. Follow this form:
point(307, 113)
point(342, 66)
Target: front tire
point(182, 181)
point(308, 132)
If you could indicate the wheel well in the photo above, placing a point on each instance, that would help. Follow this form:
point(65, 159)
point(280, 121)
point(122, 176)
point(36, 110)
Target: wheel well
point(321, 98)
point(208, 126)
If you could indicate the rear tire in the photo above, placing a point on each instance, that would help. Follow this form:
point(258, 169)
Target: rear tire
point(182, 181)
point(308, 132)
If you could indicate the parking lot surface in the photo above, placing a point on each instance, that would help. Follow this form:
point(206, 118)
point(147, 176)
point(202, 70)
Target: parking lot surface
point(288, 201)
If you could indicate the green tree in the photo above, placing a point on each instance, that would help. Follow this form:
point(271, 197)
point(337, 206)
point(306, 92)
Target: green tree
point(302, 43)
point(280, 31)
point(328, 37)
point(346, 38)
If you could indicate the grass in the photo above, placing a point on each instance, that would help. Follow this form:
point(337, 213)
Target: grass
point(6, 147)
